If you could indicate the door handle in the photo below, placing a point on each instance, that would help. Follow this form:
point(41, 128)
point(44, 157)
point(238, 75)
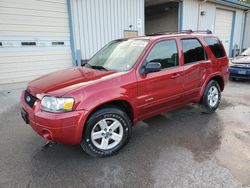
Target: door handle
point(175, 75)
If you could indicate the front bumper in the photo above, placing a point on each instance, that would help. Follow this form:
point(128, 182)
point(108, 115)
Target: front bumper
point(236, 72)
point(64, 127)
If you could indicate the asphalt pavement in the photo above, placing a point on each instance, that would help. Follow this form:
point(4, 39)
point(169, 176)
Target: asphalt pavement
point(178, 149)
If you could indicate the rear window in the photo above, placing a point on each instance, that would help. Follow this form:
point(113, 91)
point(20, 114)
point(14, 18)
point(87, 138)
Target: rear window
point(215, 46)
point(193, 50)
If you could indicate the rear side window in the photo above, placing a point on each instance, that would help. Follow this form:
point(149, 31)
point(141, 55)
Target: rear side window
point(215, 46)
point(193, 51)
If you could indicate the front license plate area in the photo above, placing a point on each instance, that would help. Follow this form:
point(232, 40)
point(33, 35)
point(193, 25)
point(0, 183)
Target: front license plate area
point(25, 116)
point(242, 72)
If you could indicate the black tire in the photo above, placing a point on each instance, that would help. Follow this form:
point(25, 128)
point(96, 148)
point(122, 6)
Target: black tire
point(232, 79)
point(109, 112)
point(204, 104)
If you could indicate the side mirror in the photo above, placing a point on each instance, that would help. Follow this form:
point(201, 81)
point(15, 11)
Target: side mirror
point(151, 67)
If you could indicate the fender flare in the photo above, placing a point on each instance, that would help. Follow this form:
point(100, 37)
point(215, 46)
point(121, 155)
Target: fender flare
point(217, 74)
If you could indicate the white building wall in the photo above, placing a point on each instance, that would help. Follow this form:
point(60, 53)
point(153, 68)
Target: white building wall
point(238, 28)
point(191, 12)
point(246, 42)
point(208, 21)
point(97, 22)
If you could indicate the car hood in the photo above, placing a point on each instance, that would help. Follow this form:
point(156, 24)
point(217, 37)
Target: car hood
point(61, 82)
point(241, 60)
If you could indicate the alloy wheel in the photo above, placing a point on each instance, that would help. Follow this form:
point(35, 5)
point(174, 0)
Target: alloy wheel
point(213, 96)
point(107, 133)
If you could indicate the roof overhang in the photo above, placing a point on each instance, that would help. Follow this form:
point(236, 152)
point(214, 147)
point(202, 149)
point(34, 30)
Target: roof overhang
point(232, 3)
point(158, 2)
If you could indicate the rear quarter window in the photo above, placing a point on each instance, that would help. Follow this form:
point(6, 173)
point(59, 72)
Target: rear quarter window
point(215, 46)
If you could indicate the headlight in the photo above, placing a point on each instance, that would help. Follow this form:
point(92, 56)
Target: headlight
point(55, 104)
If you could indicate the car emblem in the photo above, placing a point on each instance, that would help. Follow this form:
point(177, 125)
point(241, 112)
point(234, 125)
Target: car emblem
point(28, 98)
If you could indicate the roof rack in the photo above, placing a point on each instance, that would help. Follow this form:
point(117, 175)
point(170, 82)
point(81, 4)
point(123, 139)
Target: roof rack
point(180, 32)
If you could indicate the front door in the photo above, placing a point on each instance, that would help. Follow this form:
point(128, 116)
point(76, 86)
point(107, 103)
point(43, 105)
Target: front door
point(159, 90)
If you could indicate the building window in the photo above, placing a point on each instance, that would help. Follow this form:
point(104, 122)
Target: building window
point(57, 43)
point(28, 43)
point(193, 51)
point(215, 46)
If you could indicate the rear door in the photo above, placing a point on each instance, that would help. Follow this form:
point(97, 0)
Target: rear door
point(194, 57)
point(163, 89)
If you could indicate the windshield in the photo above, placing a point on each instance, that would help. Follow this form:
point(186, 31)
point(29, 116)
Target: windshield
point(246, 52)
point(118, 55)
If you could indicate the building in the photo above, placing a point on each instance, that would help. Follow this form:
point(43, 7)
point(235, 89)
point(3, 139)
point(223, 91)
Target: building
point(246, 31)
point(38, 37)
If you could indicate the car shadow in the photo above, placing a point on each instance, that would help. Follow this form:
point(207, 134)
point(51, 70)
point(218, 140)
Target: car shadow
point(186, 127)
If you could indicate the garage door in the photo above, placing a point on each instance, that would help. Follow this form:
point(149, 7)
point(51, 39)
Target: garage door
point(223, 27)
point(34, 39)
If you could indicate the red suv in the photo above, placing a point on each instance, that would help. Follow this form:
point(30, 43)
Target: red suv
point(127, 81)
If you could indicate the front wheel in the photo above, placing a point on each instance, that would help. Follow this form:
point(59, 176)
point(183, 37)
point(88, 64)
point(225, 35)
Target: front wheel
point(106, 132)
point(211, 97)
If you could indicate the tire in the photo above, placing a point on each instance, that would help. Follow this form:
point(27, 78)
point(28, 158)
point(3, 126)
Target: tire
point(211, 97)
point(232, 79)
point(99, 140)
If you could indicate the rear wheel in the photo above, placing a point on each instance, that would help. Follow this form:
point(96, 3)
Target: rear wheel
point(211, 97)
point(106, 132)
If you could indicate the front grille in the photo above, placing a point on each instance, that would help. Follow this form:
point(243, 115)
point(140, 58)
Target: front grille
point(29, 99)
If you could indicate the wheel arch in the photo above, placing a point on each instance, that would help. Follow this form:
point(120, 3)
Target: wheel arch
point(220, 81)
point(122, 104)
point(216, 77)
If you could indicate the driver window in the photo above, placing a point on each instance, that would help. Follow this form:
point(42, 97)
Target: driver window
point(165, 53)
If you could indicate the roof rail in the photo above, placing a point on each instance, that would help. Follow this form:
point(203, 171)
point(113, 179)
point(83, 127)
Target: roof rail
point(180, 32)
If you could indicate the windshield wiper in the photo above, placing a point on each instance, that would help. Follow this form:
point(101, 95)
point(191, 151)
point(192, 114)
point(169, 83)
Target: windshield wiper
point(98, 67)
